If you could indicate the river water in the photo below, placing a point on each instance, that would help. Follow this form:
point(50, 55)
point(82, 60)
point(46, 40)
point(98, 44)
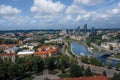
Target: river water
point(79, 49)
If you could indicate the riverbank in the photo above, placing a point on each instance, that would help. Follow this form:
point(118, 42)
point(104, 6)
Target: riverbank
point(79, 49)
point(113, 58)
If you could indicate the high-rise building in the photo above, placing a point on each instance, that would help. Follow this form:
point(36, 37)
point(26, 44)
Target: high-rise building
point(78, 30)
point(85, 28)
point(93, 31)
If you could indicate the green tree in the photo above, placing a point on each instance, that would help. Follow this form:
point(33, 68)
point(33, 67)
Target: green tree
point(95, 61)
point(117, 66)
point(84, 59)
point(75, 71)
point(1, 70)
point(65, 61)
point(116, 77)
point(88, 72)
point(111, 47)
point(104, 73)
point(50, 62)
point(109, 64)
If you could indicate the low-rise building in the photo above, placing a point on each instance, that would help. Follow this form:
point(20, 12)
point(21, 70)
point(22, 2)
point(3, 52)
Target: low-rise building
point(46, 51)
point(54, 40)
point(30, 47)
point(8, 57)
point(25, 53)
point(86, 78)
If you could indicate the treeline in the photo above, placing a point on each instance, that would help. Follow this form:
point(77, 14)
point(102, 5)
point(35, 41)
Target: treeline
point(32, 64)
point(77, 71)
point(8, 41)
point(91, 60)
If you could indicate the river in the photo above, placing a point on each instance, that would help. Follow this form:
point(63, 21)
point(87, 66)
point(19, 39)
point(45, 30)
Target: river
point(79, 49)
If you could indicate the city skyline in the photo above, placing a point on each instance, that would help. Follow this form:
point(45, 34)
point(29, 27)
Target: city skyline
point(58, 14)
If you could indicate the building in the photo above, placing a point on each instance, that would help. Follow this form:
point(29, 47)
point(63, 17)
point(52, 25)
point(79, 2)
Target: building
point(108, 44)
point(86, 78)
point(77, 31)
point(30, 47)
point(46, 51)
point(59, 40)
point(93, 31)
point(85, 28)
point(25, 53)
point(63, 32)
point(11, 49)
point(8, 57)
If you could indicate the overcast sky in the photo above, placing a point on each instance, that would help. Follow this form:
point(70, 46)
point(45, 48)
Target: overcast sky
point(58, 14)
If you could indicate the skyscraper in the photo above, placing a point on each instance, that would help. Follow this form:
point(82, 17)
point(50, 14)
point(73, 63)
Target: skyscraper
point(85, 28)
point(93, 31)
point(78, 30)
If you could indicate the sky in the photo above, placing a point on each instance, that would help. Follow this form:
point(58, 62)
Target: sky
point(58, 14)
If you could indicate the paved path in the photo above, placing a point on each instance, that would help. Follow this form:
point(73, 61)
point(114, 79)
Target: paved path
point(46, 76)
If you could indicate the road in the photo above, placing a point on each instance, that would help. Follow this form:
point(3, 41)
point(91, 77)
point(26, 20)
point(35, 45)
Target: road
point(66, 51)
point(99, 70)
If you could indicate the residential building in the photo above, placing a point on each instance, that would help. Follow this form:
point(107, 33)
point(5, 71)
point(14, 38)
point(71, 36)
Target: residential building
point(25, 53)
point(46, 51)
point(85, 28)
point(8, 57)
point(86, 78)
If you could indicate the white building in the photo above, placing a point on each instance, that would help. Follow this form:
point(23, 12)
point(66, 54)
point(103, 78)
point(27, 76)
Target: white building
point(25, 53)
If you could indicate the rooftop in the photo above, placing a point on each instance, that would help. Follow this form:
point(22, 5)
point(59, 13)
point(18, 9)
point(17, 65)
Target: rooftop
point(1, 55)
point(86, 78)
point(46, 50)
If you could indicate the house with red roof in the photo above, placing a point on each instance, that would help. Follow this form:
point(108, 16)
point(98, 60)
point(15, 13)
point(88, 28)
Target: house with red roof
point(11, 57)
point(46, 51)
point(86, 78)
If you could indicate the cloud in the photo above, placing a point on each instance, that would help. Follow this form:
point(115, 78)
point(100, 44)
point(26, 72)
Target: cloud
point(81, 13)
point(115, 11)
point(47, 7)
point(88, 2)
point(8, 10)
point(75, 9)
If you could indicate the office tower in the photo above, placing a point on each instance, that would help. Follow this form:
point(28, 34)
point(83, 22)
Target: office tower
point(85, 28)
point(78, 30)
point(93, 31)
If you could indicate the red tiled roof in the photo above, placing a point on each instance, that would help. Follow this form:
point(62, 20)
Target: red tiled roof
point(1, 55)
point(3, 45)
point(48, 49)
point(87, 78)
point(11, 45)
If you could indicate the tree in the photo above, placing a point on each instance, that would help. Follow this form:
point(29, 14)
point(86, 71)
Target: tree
point(84, 59)
point(111, 47)
point(1, 70)
point(50, 62)
point(88, 72)
point(75, 71)
point(65, 61)
point(95, 61)
point(109, 64)
point(62, 69)
point(104, 73)
point(117, 66)
point(82, 68)
point(13, 71)
point(116, 77)
point(40, 65)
